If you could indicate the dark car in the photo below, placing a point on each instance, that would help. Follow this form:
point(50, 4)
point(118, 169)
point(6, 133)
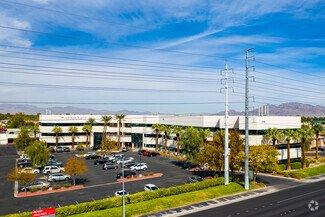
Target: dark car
point(127, 173)
point(92, 156)
point(124, 149)
point(66, 149)
point(193, 179)
point(140, 152)
point(321, 148)
point(109, 166)
point(150, 153)
point(100, 161)
point(24, 163)
point(129, 164)
point(54, 163)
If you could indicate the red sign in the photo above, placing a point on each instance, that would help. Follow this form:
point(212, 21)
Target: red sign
point(46, 212)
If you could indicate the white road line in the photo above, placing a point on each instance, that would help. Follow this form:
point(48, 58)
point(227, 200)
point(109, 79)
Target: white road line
point(301, 195)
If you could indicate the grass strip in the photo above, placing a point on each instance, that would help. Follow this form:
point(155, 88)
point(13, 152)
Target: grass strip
point(306, 173)
point(168, 202)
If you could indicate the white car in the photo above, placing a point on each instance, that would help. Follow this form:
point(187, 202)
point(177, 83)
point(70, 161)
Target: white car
point(29, 170)
point(150, 187)
point(58, 177)
point(52, 169)
point(121, 192)
point(89, 154)
point(126, 160)
point(138, 167)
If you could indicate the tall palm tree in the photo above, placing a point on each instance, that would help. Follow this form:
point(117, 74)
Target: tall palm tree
point(91, 121)
point(305, 135)
point(106, 119)
point(167, 131)
point(72, 130)
point(35, 129)
point(177, 131)
point(205, 133)
point(119, 118)
point(87, 128)
point(156, 128)
point(288, 136)
point(57, 130)
point(274, 135)
point(317, 128)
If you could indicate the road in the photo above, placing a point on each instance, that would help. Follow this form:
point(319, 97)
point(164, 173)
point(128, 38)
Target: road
point(289, 202)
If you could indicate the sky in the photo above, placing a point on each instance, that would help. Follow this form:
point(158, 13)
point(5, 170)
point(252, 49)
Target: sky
point(161, 56)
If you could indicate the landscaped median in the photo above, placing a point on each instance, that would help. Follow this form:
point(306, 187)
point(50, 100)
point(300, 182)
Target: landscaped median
point(305, 173)
point(144, 202)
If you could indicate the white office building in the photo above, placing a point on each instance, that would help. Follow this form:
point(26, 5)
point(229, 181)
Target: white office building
point(136, 130)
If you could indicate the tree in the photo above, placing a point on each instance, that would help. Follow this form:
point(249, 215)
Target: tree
point(317, 128)
point(119, 118)
point(74, 167)
point(35, 129)
point(305, 135)
point(21, 177)
point(17, 120)
point(108, 145)
point(91, 121)
point(106, 119)
point(191, 142)
point(38, 153)
point(205, 133)
point(87, 128)
point(167, 131)
point(212, 152)
point(274, 135)
point(236, 145)
point(23, 139)
point(73, 130)
point(57, 130)
point(289, 135)
point(177, 131)
point(263, 158)
point(157, 128)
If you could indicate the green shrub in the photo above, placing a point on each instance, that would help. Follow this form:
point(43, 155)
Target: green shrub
point(307, 172)
point(33, 190)
point(55, 187)
point(67, 185)
point(80, 147)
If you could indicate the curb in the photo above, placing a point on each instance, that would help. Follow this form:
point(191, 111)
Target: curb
point(156, 175)
point(38, 193)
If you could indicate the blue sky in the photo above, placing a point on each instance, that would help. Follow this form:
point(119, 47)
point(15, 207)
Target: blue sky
point(286, 34)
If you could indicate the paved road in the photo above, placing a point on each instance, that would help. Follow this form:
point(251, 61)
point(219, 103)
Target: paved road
point(289, 202)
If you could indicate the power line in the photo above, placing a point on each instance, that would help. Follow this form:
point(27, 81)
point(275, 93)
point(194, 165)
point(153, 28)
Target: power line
point(55, 86)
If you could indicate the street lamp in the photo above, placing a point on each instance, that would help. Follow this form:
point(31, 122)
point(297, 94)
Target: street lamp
point(123, 190)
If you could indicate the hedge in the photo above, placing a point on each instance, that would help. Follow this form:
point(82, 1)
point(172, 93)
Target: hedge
point(159, 204)
point(112, 202)
point(307, 172)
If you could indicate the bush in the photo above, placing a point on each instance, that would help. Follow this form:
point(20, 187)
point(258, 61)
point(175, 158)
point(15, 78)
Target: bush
point(307, 172)
point(33, 190)
point(55, 187)
point(80, 147)
point(294, 166)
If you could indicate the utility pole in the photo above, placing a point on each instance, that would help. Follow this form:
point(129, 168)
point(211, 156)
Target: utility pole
point(247, 68)
point(226, 141)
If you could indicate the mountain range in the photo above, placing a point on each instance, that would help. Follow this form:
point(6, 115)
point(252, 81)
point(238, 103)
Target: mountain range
point(289, 108)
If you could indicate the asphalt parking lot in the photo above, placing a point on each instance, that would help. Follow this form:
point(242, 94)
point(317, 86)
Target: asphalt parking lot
point(100, 183)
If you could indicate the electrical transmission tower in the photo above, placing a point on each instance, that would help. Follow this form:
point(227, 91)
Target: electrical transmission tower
point(225, 72)
point(249, 58)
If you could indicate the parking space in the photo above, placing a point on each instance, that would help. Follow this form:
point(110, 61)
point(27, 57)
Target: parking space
point(100, 183)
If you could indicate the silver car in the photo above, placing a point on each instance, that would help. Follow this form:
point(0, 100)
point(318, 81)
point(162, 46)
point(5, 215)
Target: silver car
point(58, 177)
point(38, 184)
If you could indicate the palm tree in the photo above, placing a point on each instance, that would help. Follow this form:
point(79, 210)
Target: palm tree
point(317, 128)
point(156, 128)
point(167, 131)
point(288, 136)
point(87, 129)
point(57, 130)
point(305, 135)
point(205, 133)
point(177, 131)
point(106, 119)
point(91, 121)
point(274, 135)
point(35, 129)
point(72, 130)
point(119, 118)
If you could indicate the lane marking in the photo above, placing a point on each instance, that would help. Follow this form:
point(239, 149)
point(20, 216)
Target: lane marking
point(301, 195)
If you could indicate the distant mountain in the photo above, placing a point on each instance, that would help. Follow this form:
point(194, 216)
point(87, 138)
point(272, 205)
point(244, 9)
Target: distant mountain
point(289, 108)
point(30, 109)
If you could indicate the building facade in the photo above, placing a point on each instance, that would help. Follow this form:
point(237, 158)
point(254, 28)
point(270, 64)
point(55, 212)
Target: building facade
point(137, 132)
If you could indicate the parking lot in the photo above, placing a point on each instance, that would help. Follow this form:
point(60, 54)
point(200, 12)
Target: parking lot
point(100, 184)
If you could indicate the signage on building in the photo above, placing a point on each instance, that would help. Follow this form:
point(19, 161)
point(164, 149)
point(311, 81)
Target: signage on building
point(46, 212)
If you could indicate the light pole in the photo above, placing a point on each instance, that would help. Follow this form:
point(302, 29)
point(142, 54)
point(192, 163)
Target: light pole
point(123, 190)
